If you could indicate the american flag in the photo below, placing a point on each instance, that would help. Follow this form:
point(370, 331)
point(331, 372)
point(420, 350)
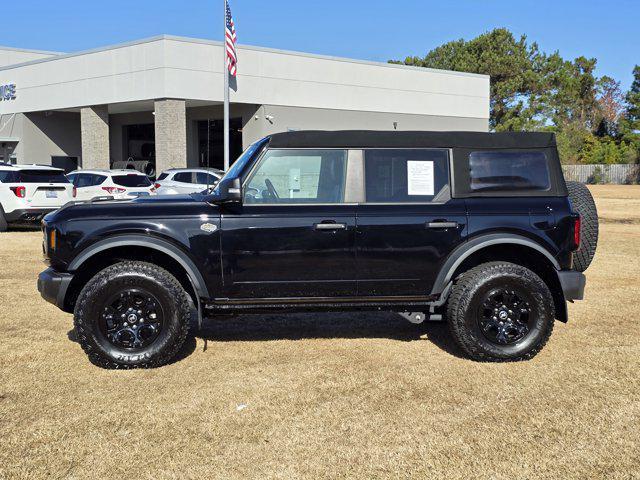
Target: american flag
point(230, 41)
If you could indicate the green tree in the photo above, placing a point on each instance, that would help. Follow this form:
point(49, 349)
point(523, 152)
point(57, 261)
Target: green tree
point(513, 65)
point(630, 122)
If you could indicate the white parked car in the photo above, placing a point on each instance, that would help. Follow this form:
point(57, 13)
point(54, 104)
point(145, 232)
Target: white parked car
point(118, 184)
point(28, 192)
point(187, 180)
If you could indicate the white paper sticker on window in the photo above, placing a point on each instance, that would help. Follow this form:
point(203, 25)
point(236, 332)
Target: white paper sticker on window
point(419, 177)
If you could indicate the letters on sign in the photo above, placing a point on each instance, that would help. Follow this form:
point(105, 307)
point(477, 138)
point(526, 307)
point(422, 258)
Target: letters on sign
point(8, 92)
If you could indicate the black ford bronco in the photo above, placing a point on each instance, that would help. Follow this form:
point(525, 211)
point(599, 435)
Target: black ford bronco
point(478, 229)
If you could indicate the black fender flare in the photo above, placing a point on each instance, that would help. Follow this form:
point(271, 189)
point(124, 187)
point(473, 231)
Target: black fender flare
point(195, 277)
point(463, 251)
point(443, 282)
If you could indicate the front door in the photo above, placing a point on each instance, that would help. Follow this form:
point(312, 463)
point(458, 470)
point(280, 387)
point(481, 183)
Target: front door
point(293, 236)
point(408, 223)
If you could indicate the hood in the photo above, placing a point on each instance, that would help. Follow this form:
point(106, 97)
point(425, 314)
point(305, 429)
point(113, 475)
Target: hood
point(152, 207)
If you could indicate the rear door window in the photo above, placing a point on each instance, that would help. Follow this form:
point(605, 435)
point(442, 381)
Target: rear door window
point(203, 178)
point(509, 170)
point(184, 177)
point(131, 181)
point(405, 175)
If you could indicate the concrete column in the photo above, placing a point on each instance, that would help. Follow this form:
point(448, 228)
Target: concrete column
point(94, 132)
point(171, 134)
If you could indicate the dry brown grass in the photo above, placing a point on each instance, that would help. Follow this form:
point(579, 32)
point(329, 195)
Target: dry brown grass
point(358, 395)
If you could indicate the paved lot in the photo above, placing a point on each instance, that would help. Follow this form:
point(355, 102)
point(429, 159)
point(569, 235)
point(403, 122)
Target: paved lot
point(327, 396)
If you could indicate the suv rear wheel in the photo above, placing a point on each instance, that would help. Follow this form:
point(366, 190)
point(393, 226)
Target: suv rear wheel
point(500, 311)
point(132, 315)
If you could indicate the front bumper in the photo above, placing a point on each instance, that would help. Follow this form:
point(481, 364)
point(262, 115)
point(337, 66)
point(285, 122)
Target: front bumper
point(53, 286)
point(573, 284)
point(28, 214)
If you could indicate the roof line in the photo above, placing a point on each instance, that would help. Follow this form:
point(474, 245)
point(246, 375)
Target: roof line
point(243, 47)
point(29, 50)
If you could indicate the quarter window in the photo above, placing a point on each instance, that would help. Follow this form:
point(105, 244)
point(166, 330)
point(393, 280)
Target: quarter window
point(405, 175)
point(203, 178)
point(509, 170)
point(298, 176)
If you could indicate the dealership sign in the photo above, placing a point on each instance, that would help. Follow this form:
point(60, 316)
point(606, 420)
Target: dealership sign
point(8, 92)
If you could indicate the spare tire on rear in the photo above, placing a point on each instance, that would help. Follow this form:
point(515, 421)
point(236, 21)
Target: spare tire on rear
point(583, 204)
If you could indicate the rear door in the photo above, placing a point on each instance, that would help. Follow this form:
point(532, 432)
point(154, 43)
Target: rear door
point(408, 223)
point(293, 236)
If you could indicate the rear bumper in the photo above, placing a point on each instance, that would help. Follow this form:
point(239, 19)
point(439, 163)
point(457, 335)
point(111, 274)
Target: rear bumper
point(573, 284)
point(28, 214)
point(53, 286)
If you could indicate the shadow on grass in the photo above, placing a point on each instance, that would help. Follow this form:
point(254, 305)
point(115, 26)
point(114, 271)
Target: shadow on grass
point(352, 325)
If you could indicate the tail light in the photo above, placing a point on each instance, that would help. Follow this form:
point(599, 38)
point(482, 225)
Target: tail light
point(74, 192)
point(112, 190)
point(20, 192)
point(156, 185)
point(577, 224)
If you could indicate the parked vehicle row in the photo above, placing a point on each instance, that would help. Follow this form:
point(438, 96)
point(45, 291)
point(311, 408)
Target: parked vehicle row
point(28, 192)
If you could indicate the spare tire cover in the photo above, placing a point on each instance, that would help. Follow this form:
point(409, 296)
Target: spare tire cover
point(583, 204)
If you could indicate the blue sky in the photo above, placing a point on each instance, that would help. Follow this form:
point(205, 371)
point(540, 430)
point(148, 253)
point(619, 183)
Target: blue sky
point(372, 30)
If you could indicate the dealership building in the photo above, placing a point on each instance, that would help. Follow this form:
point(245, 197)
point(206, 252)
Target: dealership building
point(158, 101)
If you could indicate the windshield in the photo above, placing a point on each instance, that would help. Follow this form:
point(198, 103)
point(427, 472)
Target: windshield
point(242, 160)
point(131, 180)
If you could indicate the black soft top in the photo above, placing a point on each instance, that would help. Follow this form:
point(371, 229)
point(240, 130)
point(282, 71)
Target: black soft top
point(410, 139)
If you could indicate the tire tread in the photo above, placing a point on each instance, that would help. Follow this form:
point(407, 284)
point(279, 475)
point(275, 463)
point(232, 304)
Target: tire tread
point(459, 301)
point(168, 281)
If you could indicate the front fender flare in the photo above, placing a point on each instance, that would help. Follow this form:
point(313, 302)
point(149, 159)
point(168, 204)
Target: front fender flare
point(195, 277)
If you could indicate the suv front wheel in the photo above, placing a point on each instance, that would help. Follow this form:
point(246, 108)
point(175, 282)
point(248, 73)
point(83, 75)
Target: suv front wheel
point(500, 311)
point(132, 315)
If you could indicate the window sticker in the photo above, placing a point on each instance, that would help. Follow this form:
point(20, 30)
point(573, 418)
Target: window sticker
point(419, 178)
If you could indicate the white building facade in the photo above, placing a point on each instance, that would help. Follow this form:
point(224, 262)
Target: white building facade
point(158, 101)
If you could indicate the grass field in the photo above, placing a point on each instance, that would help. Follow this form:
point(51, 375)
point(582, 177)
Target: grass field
point(330, 396)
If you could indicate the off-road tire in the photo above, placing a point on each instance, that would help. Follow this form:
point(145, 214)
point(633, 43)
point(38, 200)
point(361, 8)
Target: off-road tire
point(583, 203)
point(3, 221)
point(463, 304)
point(130, 274)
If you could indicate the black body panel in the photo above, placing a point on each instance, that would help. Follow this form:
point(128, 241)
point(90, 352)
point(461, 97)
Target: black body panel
point(266, 257)
point(279, 251)
point(401, 248)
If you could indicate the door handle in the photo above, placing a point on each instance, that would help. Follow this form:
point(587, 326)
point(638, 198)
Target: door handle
point(442, 224)
point(330, 226)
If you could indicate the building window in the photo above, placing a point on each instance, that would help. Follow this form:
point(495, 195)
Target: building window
point(210, 142)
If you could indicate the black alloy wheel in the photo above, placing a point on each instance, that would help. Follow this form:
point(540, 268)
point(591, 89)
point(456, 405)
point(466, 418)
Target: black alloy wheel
point(504, 316)
point(132, 318)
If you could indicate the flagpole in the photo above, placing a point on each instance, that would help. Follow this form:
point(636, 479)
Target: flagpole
point(225, 72)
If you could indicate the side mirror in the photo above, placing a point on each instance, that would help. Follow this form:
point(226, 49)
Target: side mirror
point(227, 191)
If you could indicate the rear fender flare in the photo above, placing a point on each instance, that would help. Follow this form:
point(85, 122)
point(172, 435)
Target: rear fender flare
point(462, 252)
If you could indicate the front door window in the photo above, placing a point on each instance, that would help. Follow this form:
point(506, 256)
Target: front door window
point(298, 177)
